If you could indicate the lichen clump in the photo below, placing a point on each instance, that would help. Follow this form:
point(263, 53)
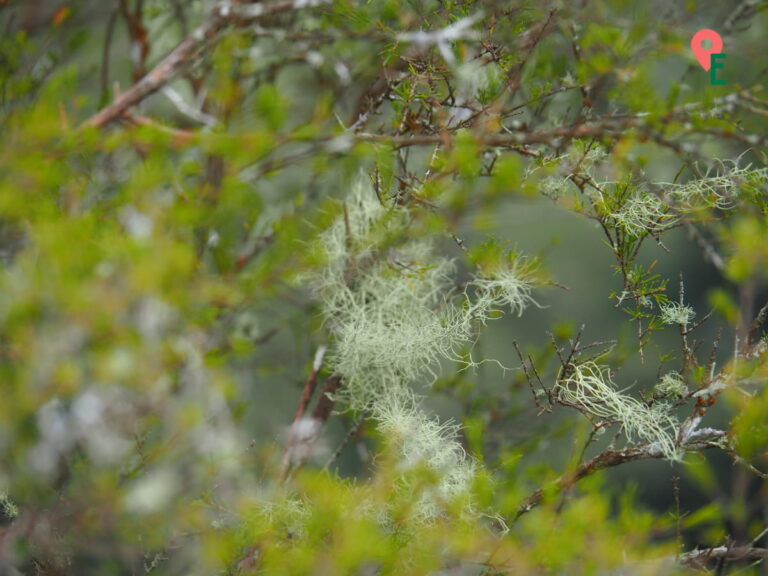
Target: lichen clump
point(677, 313)
point(590, 388)
point(510, 286)
point(384, 303)
point(672, 385)
point(392, 305)
point(7, 507)
point(394, 312)
point(642, 213)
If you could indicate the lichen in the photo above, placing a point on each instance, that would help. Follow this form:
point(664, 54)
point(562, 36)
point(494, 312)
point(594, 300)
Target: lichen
point(672, 385)
point(392, 306)
point(394, 311)
point(643, 212)
point(721, 190)
point(590, 388)
point(677, 313)
point(7, 506)
point(510, 286)
point(424, 441)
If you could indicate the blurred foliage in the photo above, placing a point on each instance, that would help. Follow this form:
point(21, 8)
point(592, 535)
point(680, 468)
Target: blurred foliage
point(159, 310)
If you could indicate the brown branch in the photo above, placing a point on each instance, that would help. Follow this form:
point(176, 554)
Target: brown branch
point(606, 459)
point(557, 137)
point(602, 127)
point(744, 11)
point(700, 558)
point(759, 320)
point(535, 34)
point(320, 415)
point(515, 138)
point(306, 395)
point(161, 74)
point(138, 35)
point(325, 404)
point(309, 386)
point(222, 15)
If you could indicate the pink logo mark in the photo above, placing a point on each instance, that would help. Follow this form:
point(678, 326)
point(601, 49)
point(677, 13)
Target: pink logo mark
point(703, 54)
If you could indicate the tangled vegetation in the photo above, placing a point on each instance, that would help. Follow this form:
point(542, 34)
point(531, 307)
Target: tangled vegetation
point(334, 287)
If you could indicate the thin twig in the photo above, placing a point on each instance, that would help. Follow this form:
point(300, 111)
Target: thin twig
point(678, 523)
point(104, 73)
point(759, 320)
point(351, 433)
point(309, 389)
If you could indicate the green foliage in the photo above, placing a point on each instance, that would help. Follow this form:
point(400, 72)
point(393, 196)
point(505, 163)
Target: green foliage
point(326, 194)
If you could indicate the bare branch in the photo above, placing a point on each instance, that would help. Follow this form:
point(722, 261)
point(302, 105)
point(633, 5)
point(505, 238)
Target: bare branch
point(609, 459)
point(306, 396)
point(223, 14)
point(700, 558)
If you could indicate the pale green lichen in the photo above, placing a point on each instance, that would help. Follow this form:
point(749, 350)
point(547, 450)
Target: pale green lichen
point(290, 514)
point(391, 327)
point(642, 213)
point(7, 506)
point(582, 159)
point(589, 388)
point(553, 187)
point(388, 305)
point(392, 307)
point(426, 441)
point(511, 285)
point(654, 207)
point(719, 190)
point(677, 313)
point(672, 385)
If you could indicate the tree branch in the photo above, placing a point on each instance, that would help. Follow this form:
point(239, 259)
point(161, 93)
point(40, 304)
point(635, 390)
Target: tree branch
point(223, 14)
point(700, 558)
point(606, 459)
point(306, 396)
